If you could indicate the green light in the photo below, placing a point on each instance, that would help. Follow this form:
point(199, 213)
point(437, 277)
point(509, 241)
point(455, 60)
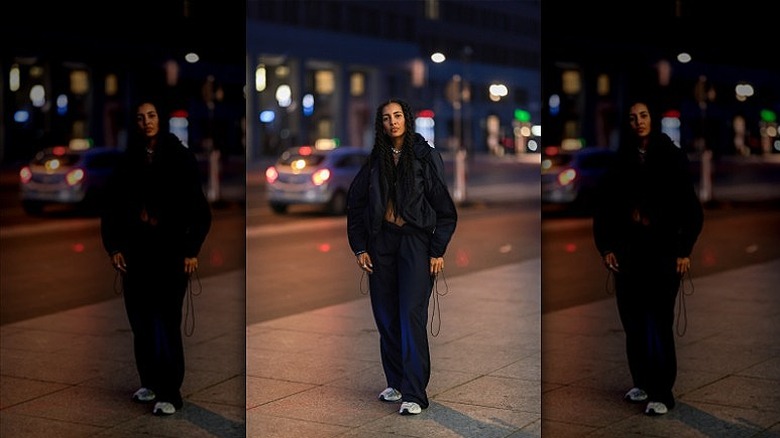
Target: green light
point(768, 116)
point(522, 115)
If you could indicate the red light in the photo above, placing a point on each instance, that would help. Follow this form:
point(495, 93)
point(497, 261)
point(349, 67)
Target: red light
point(271, 175)
point(425, 113)
point(180, 113)
point(59, 150)
point(74, 177)
point(304, 150)
point(320, 177)
point(25, 175)
point(551, 151)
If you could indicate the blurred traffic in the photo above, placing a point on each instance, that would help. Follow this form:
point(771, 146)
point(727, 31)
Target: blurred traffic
point(569, 178)
point(307, 175)
point(66, 176)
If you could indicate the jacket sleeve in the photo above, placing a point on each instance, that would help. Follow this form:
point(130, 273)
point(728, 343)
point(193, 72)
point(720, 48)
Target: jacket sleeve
point(357, 211)
point(111, 212)
point(198, 219)
point(441, 202)
point(605, 214)
point(692, 220)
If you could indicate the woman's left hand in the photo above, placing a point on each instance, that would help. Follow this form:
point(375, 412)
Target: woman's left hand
point(190, 264)
point(437, 265)
point(683, 265)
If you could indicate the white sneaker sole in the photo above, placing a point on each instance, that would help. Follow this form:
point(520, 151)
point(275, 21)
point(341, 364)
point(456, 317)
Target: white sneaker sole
point(408, 408)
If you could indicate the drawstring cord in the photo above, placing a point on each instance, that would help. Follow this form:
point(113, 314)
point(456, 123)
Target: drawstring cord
point(363, 291)
point(681, 325)
point(682, 310)
point(118, 286)
point(607, 288)
point(436, 294)
point(189, 324)
point(190, 308)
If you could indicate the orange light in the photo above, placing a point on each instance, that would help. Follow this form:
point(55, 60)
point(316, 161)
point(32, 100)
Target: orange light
point(74, 177)
point(271, 175)
point(567, 176)
point(304, 150)
point(320, 177)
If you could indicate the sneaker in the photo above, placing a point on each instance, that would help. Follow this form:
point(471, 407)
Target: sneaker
point(410, 408)
point(163, 408)
point(390, 395)
point(635, 395)
point(144, 395)
point(656, 408)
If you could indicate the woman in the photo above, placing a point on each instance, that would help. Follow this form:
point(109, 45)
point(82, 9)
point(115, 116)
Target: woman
point(400, 219)
point(155, 220)
point(645, 227)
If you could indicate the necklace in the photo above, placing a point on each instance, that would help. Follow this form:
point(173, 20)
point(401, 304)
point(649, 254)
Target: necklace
point(396, 151)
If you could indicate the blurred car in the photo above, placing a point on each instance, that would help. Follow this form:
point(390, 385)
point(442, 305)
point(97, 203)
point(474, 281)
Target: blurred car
point(67, 177)
point(569, 179)
point(306, 175)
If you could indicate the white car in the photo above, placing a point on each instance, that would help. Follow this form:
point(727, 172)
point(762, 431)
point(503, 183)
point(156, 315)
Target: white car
point(305, 175)
point(64, 176)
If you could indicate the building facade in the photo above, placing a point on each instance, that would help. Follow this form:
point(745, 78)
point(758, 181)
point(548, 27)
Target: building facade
point(316, 72)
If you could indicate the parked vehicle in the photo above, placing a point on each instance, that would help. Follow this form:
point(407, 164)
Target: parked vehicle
point(305, 175)
point(569, 179)
point(61, 175)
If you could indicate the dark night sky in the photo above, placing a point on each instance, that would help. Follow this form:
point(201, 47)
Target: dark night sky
point(713, 32)
point(120, 28)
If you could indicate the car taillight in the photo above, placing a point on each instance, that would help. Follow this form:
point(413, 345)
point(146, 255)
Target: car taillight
point(271, 175)
point(25, 175)
point(567, 176)
point(320, 177)
point(74, 177)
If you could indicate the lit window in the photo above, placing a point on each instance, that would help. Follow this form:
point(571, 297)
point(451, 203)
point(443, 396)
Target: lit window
point(79, 82)
point(112, 85)
point(357, 84)
point(324, 82)
point(571, 82)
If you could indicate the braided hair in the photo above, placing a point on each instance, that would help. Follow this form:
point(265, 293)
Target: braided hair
point(393, 176)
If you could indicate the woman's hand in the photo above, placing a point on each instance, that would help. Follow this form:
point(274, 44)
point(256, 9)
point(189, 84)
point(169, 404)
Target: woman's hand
point(437, 265)
point(683, 265)
point(610, 261)
point(364, 262)
point(118, 260)
point(190, 264)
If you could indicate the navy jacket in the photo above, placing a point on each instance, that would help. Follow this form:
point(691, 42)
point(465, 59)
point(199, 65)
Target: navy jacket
point(658, 194)
point(428, 207)
point(169, 189)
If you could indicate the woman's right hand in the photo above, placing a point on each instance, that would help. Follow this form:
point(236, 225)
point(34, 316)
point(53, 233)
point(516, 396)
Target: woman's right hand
point(364, 261)
point(118, 260)
point(610, 261)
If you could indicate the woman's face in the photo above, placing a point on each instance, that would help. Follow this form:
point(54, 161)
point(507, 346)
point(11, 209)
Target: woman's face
point(394, 122)
point(147, 120)
point(639, 119)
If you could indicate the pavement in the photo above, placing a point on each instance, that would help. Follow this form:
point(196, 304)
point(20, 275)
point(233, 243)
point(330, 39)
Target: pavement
point(316, 374)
